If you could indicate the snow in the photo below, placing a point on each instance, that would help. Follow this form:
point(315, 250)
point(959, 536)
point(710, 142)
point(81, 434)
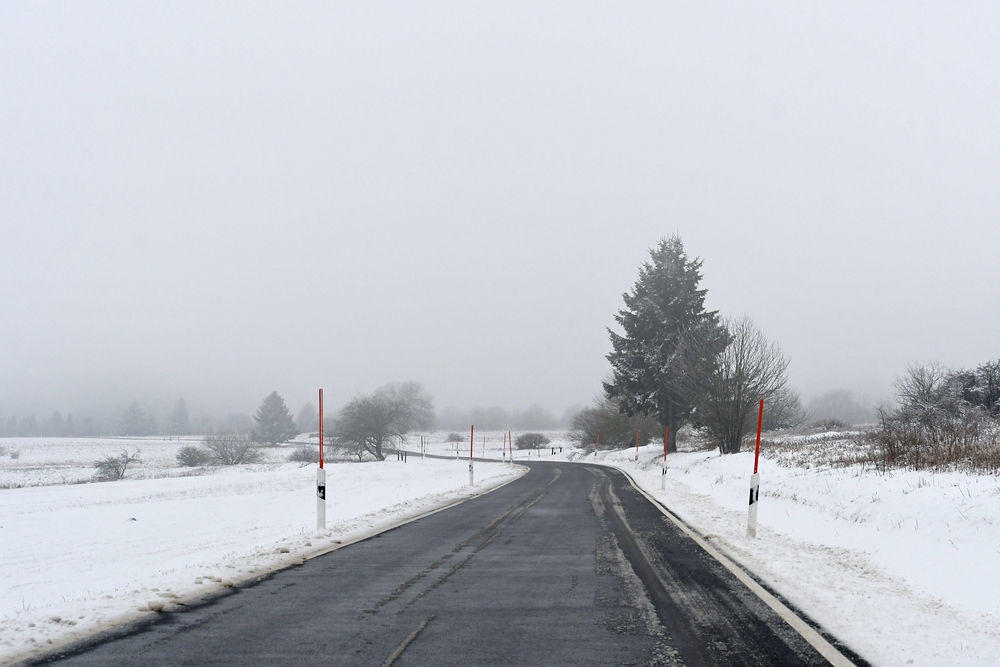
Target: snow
point(76, 558)
point(901, 567)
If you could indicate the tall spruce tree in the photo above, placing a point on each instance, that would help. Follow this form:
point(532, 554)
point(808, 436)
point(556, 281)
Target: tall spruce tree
point(664, 303)
point(274, 422)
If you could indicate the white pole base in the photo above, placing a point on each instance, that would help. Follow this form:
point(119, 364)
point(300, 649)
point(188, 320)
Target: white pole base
point(754, 501)
point(470, 473)
point(320, 499)
point(663, 479)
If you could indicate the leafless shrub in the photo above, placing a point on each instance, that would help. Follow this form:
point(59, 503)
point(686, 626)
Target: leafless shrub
point(191, 456)
point(969, 440)
point(530, 441)
point(944, 420)
point(110, 468)
point(616, 429)
point(15, 453)
point(229, 449)
point(304, 454)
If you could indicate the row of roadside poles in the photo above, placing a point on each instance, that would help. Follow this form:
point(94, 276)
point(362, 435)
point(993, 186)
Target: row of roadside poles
point(508, 443)
point(321, 471)
point(754, 478)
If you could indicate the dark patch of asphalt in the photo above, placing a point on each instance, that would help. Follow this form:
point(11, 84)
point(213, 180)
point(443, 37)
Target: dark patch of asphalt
point(567, 565)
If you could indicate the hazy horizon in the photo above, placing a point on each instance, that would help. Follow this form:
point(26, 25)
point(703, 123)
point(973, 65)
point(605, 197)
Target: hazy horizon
point(217, 201)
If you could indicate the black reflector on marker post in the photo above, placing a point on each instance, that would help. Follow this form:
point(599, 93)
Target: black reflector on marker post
point(663, 474)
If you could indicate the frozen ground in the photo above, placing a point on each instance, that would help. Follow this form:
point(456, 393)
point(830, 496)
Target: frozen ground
point(901, 567)
point(48, 461)
point(75, 558)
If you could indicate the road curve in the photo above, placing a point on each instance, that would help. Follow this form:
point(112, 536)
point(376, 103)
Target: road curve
point(568, 565)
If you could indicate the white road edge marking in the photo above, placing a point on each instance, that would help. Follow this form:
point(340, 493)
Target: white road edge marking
point(825, 648)
point(385, 529)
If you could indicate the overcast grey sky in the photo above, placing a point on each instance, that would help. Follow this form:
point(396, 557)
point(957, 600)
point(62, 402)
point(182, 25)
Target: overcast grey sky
point(215, 200)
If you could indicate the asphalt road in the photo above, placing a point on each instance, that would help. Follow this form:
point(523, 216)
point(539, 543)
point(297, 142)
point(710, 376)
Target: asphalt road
point(568, 565)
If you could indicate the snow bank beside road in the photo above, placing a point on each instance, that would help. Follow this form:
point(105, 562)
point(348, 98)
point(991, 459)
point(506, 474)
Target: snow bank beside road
point(74, 558)
point(901, 567)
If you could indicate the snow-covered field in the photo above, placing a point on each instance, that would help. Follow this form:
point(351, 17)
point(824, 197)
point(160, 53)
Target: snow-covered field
point(902, 567)
point(77, 557)
point(46, 461)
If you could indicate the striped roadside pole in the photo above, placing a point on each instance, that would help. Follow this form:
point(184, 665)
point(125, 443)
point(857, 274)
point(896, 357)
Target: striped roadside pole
point(320, 475)
point(755, 479)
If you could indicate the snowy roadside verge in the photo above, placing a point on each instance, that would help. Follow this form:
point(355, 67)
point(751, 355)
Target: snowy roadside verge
point(78, 559)
point(899, 567)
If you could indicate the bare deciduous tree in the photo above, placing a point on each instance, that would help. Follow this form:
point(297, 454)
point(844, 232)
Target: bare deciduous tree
point(724, 385)
point(230, 449)
point(369, 424)
point(784, 410)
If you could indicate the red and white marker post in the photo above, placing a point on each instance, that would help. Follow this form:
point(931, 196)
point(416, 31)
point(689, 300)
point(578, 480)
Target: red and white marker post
point(321, 475)
point(472, 436)
point(663, 474)
point(510, 443)
point(755, 479)
point(637, 445)
point(597, 445)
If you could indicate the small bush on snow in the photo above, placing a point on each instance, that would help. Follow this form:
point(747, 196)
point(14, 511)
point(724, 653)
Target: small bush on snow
point(304, 454)
point(229, 449)
point(192, 457)
point(530, 441)
point(110, 468)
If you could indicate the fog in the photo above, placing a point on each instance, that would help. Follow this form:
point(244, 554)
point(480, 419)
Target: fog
point(217, 201)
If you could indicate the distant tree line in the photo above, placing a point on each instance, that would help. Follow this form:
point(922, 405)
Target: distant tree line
point(55, 426)
point(495, 418)
point(134, 421)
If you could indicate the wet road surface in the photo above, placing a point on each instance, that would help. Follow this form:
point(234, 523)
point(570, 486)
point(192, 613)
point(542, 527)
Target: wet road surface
point(567, 565)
